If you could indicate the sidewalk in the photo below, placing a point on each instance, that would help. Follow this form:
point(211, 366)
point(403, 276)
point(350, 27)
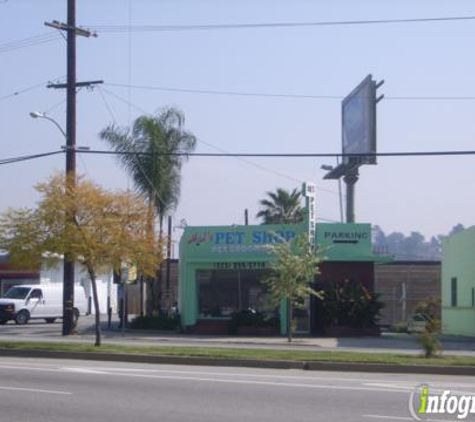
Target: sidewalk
point(401, 344)
point(387, 342)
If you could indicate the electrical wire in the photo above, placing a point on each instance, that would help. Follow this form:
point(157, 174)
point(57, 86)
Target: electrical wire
point(144, 173)
point(54, 106)
point(269, 25)
point(256, 155)
point(248, 162)
point(24, 90)
point(225, 93)
point(282, 95)
point(294, 155)
point(29, 42)
point(223, 151)
point(29, 157)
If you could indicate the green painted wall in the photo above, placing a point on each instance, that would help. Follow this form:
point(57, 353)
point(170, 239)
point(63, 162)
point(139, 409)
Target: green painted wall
point(459, 262)
point(219, 247)
point(345, 242)
point(206, 248)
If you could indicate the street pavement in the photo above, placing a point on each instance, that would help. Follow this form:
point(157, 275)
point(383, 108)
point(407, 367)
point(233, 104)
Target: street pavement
point(43, 390)
point(394, 343)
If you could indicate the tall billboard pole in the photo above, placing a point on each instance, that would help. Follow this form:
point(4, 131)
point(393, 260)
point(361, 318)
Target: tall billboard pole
point(358, 116)
point(350, 179)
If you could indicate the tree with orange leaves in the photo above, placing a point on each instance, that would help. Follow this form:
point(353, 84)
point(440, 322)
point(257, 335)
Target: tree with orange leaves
point(108, 230)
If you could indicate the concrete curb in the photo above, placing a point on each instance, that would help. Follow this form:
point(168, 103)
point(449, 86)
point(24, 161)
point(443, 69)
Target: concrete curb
point(244, 363)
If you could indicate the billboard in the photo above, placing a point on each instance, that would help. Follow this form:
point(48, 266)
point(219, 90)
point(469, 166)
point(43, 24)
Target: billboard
point(358, 112)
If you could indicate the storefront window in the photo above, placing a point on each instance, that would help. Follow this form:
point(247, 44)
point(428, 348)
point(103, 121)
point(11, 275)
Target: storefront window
point(223, 292)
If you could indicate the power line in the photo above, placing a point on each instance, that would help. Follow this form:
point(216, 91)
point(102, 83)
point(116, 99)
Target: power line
point(282, 95)
point(292, 155)
point(24, 90)
point(248, 162)
point(29, 42)
point(270, 25)
point(28, 157)
point(255, 155)
point(144, 173)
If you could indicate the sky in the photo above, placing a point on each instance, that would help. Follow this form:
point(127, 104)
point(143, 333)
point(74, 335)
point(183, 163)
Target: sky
point(429, 59)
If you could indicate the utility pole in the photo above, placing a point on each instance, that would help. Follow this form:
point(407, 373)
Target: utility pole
point(72, 31)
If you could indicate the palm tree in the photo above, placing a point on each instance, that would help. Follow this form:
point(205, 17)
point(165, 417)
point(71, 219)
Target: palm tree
point(282, 207)
point(148, 152)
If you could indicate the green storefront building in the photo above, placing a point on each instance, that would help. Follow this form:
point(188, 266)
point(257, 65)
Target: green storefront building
point(221, 268)
point(458, 284)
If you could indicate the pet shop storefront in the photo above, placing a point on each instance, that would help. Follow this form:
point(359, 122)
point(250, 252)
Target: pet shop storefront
point(221, 270)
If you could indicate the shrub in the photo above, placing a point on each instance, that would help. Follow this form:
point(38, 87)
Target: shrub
point(253, 319)
point(159, 322)
point(348, 303)
point(430, 343)
point(430, 308)
point(428, 340)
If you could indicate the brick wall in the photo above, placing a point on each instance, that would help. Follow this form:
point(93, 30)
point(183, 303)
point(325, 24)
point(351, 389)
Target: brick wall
point(422, 279)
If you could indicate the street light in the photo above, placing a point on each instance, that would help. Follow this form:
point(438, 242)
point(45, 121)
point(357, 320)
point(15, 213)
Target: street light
point(328, 167)
point(38, 115)
point(68, 265)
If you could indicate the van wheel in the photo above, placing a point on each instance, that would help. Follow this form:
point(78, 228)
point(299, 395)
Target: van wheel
point(22, 317)
point(50, 320)
point(75, 317)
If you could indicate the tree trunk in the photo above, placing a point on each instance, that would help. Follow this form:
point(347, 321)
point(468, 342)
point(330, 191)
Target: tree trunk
point(95, 298)
point(149, 281)
point(289, 320)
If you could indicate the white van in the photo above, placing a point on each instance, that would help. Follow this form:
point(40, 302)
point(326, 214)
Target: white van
point(24, 302)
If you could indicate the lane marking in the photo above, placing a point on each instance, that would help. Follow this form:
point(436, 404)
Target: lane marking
point(229, 381)
point(305, 376)
point(35, 390)
point(404, 418)
point(83, 370)
point(374, 384)
point(410, 388)
point(30, 368)
point(101, 370)
point(249, 382)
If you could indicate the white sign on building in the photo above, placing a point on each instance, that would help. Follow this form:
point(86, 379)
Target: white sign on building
point(310, 192)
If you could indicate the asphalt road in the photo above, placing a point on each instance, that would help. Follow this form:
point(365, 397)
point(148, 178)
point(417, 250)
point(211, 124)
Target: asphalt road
point(50, 391)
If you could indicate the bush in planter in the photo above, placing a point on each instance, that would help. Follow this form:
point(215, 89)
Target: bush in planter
point(351, 304)
point(255, 319)
point(429, 341)
point(159, 322)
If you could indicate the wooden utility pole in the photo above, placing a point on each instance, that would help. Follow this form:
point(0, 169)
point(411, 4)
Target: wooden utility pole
point(69, 319)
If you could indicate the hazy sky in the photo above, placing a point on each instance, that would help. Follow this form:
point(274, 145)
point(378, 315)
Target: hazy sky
point(432, 59)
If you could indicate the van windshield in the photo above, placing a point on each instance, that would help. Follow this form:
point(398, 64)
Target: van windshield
point(17, 293)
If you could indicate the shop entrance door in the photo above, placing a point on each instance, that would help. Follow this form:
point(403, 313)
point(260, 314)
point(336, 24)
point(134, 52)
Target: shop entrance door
point(301, 317)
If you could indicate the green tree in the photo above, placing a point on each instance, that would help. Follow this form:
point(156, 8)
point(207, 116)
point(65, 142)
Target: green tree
point(108, 229)
point(281, 207)
point(290, 275)
point(149, 151)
